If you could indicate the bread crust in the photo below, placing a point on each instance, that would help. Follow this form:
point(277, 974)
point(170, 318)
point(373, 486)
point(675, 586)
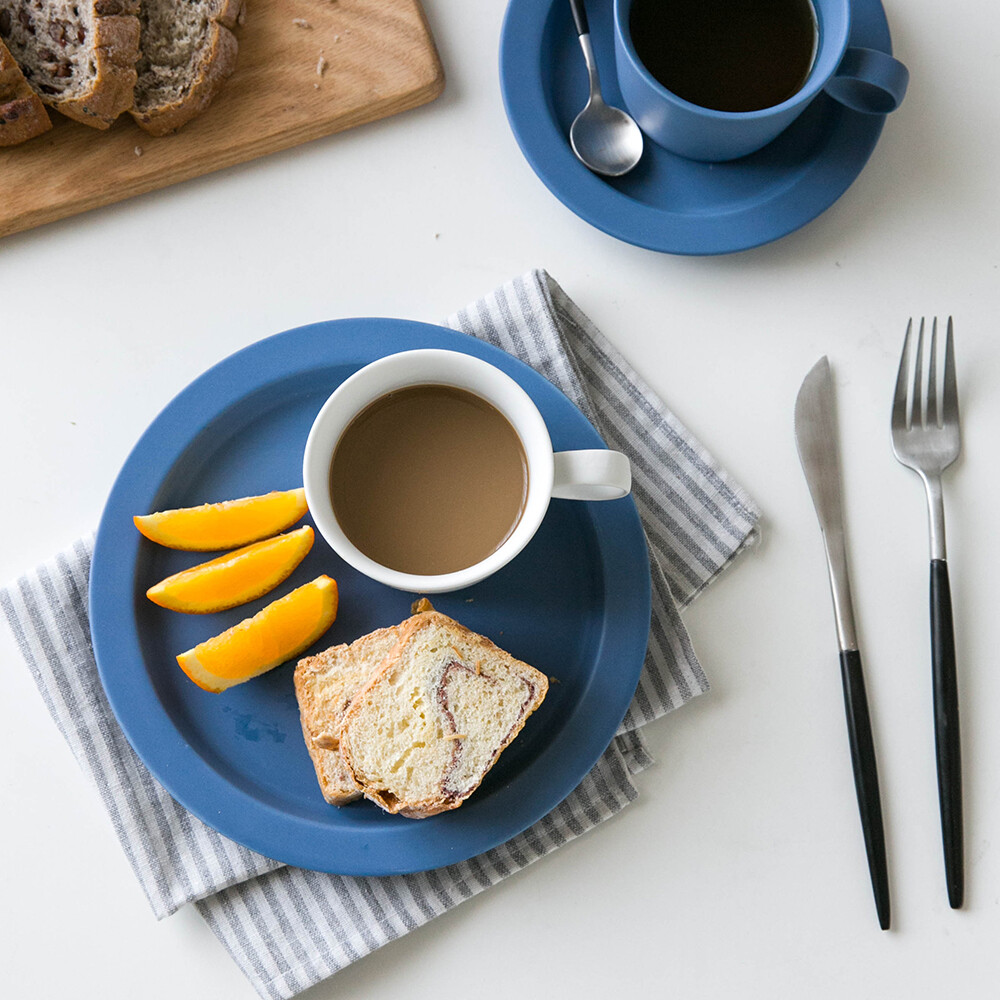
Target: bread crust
point(22, 113)
point(116, 51)
point(485, 650)
point(347, 667)
point(213, 71)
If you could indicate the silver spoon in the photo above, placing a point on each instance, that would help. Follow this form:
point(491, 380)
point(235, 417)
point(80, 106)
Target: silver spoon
point(605, 139)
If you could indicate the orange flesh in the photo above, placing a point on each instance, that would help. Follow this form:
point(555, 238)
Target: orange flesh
point(273, 636)
point(226, 525)
point(235, 578)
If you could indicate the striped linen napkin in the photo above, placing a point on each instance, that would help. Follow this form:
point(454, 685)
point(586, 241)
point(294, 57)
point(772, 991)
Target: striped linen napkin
point(288, 928)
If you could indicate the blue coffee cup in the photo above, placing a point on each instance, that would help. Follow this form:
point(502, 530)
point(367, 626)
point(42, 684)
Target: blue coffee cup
point(864, 80)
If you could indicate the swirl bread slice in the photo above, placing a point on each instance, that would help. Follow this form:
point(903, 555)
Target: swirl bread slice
point(422, 733)
point(188, 52)
point(325, 684)
point(22, 114)
point(78, 55)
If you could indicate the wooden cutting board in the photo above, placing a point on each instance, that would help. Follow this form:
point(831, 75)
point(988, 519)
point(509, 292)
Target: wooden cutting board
point(378, 58)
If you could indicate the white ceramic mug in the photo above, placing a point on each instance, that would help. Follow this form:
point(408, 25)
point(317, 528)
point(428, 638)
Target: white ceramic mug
point(593, 474)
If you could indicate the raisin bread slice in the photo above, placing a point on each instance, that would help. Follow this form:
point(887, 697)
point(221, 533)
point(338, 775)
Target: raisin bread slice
point(22, 114)
point(325, 684)
point(78, 55)
point(422, 733)
point(188, 52)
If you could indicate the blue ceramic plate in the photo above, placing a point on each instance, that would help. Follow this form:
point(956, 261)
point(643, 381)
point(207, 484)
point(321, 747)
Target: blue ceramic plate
point(668, 203)
point(575, 603)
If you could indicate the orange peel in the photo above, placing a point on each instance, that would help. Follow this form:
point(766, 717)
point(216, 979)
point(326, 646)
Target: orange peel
point(235, 578)
point(229, 524)
point(271, 637)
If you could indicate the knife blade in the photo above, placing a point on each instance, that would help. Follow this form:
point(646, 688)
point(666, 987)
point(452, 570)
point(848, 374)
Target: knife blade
point(816, 438)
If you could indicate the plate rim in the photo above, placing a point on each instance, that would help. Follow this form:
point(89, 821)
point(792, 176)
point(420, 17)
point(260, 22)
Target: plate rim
point(612, 211)
point(213, 798)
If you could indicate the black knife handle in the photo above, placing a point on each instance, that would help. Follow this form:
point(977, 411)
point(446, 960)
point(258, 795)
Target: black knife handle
point(580, 17)
point(946, 731)
point(859, 731)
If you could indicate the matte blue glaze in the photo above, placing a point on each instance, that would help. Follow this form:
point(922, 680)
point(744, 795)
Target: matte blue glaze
point(575, 603)
point(869, 81)
point(669, 203)
point(877, 84)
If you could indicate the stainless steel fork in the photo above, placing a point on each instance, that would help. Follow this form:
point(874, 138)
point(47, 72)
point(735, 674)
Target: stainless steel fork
point(926, 437)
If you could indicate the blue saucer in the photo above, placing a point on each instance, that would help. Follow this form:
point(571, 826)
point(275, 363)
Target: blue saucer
point(668, 203)
point(575, 603)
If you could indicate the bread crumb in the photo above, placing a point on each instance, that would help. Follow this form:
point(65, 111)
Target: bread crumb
point(420, 605)
point(553, 680)
point(301, 22)
point(138, 150)
point(321, 65)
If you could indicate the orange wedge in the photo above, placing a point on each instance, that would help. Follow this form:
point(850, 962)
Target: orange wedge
point(235, 578)
point(225, 525)
point(275, 634)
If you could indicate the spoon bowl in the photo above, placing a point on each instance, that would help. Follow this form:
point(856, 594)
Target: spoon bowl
point(604, 138)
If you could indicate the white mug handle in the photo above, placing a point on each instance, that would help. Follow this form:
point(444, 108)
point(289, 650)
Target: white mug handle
point(594, 474)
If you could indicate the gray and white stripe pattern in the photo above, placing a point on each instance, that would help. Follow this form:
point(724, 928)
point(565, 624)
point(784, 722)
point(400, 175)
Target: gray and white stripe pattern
point(176, 857)
point(696, 518)
point(325, 922)
point(288, 928)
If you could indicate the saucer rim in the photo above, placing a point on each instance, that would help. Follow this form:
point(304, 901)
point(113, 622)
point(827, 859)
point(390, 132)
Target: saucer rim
point(759, 220)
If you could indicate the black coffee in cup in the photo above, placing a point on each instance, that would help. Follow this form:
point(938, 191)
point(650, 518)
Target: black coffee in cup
point(727, 55)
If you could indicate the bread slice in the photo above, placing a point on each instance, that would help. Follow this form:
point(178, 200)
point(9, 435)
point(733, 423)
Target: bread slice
point(78, 55)
point(325, 684)
point(188, 52)
point(421, 734)
point(22, 114)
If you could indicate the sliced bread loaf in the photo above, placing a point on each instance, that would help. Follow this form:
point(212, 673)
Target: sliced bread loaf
point(188, 52)
point(22, 114)
point(78, 55)
point(325, 684)
point(422, 733)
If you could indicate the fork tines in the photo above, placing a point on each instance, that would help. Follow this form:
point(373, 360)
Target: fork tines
point(916, 397)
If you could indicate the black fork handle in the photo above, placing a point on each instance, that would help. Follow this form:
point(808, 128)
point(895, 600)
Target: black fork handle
point(947, 742)
point(579, 17)
point(859, 731)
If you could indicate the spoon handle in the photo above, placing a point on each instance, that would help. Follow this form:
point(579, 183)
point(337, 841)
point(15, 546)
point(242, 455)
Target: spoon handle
point(580, 17)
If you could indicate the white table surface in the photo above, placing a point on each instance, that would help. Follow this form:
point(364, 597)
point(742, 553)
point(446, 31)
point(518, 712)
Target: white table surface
point(740, 870)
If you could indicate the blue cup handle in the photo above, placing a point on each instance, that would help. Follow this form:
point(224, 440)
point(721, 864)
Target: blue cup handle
point(869, 81)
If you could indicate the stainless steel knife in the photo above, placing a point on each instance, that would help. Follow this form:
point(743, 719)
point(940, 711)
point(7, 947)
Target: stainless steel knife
point(816, 437)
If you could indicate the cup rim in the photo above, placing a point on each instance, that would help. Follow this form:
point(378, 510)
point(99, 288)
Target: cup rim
point(427, 366)
point(813, 84)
